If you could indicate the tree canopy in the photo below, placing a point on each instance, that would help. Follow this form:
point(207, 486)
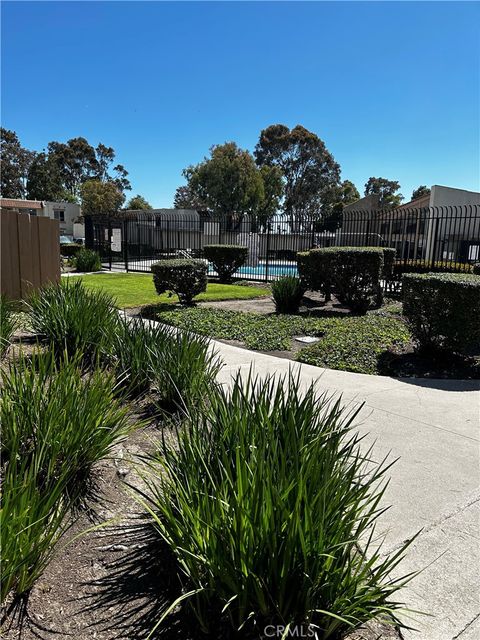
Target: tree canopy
point(58, 173)
point(386, 189)
point(420, 191)
point(138, 202)
point(185, 198)
point(231, 185)
point(311, 176)
point(100, 198)
point(14, 164)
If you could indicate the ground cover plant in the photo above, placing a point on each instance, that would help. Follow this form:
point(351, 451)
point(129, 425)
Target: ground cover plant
point(7, 322)
point(350, 344)
point(270, 508)
point(184, 277)
point(136, 289)
point(226, 259)
point(58, 422)
point(72, 319)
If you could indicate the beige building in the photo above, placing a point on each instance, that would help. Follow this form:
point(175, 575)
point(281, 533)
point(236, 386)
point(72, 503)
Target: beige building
point(65, 212)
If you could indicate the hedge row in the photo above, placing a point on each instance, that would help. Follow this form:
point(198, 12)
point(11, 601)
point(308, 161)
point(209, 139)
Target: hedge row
point(443, 310)
point(354, 273)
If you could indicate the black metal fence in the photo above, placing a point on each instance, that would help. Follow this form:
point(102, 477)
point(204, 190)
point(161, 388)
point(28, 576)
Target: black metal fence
point(430, 238)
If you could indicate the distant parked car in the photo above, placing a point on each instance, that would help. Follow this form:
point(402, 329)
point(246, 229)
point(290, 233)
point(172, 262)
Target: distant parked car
point(66, 239)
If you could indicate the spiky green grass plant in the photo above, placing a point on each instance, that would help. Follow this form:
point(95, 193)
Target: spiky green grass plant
point(184, 372)
point(57, 423)
point(136, 348)
point(73, 319)
point(287, 293)
point(7, 323)
point(270, 508)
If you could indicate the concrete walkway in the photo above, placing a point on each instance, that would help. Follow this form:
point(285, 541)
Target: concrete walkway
point(432, 426)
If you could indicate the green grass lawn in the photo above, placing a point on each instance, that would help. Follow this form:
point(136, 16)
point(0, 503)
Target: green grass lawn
point(136, 289)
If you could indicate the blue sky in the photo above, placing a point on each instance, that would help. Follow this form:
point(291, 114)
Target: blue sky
point(392, 88)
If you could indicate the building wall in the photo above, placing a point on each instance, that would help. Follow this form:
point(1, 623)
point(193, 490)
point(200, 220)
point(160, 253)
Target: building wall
point(70, 211)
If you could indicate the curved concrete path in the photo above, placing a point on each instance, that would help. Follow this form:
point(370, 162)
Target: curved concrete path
point(432, 426)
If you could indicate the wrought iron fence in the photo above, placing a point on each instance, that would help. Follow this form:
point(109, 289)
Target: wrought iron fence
point(429, 238)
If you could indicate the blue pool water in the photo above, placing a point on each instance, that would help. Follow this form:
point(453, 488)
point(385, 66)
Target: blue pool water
point(273, 270)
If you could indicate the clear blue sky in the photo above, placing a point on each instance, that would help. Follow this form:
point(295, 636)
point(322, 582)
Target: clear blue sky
point(392, 88)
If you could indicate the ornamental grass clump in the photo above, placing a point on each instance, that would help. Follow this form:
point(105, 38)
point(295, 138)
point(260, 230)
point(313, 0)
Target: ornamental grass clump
point(136, 349)
point(287, 294)
point(269, 506)
point(72, 319)
point(7, 323)
point(57, 423)
point(183, 372)
point(86, 260)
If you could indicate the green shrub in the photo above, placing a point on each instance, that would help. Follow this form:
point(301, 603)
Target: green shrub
point(73, 318)
point(388, 262)
point(86, 261)
point(425, 266)
point(287, 294)
point(315, 268)
point(356, 273)
point(186, 278)
point(134, 346)
point(443, 309)
point(57, 423)
point(476, 268)
point(70, 250)
point(7, 323)
point(270, 508)
point(226, 259)
point(184, 371)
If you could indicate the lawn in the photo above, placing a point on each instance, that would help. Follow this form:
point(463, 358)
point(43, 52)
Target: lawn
point(136, 289)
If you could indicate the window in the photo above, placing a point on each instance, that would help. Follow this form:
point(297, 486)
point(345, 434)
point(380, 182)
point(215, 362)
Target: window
point(59, 214)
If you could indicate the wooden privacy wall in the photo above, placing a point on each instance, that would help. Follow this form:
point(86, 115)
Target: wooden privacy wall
point(30, 253)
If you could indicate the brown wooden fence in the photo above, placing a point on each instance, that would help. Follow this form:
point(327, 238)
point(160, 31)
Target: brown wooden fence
point(30, 253)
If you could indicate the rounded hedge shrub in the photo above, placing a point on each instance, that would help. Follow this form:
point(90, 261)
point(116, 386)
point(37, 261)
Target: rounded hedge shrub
point(443, 310)
point(315, 271)
point(86, 260)
point(287, 294)
point(425, 266)
point(186, 278)
point(226, 259)
point(476, 268)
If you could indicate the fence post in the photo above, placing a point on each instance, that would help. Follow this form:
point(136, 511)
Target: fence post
point(109, 245)
point(125, 243)
point(267, 249)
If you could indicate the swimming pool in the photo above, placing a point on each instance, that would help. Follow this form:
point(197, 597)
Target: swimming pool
point(273, 270)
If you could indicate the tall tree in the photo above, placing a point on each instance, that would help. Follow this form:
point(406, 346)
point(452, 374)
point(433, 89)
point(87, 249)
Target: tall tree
point(272, 194)
point(138, 202)
point(77, 162)
point(228, 182)
point(100, 198)
point(14, 164)
point(309, 170)
point(386, 189)
point(420, 191)
point(185, 198)
point(346, 193)
point(44, 181)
